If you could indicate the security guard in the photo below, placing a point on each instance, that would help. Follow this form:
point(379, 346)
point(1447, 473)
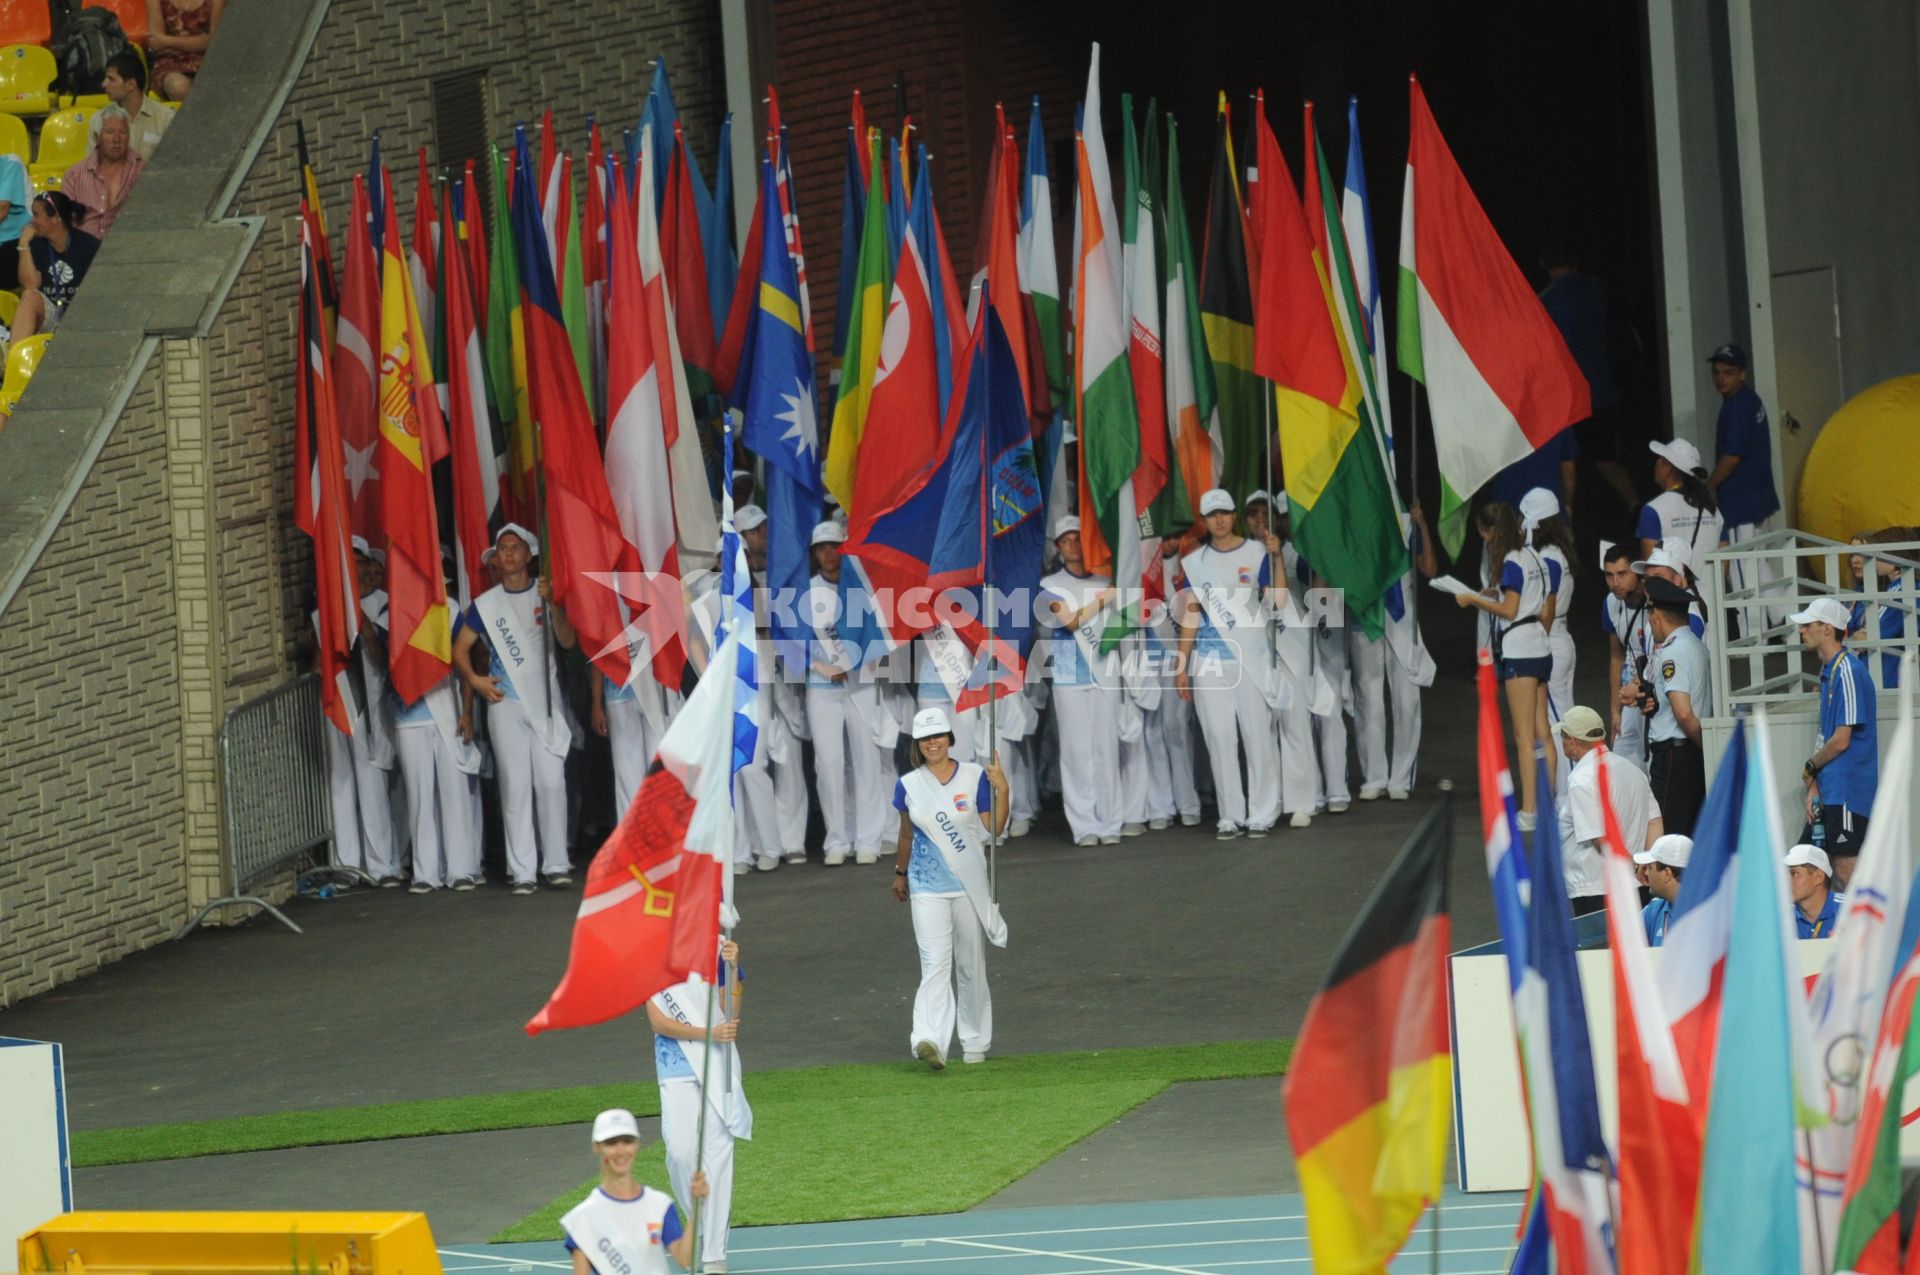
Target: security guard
point(1682, 696)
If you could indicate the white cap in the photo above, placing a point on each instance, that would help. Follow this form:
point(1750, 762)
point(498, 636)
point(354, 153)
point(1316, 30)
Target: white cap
point(1216, 500)
point(1280, 503)
point(1257, 497)
point(531, 541)
point(615, 1122)
point(1537, 506)
point(1660, 557)
point(1805, 856)
point(487, 555)
point(747, 517)
point(1065, 523)
point(1825, 611)
point(365, 550)
point(829, 532)
point(929, 722)
point(738, 474)
point(1680, 453)
point(1674, 850)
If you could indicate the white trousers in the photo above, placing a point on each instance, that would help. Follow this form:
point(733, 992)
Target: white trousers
point(1560, 675)
point(1089, 760)
point(633, 742)
point(771, 798)
point(1330, 647)
point(1744, 574)
point(1379, 677)
point(849, 772)
point(362, 807)
point(1167, 736)
point(680, 1112)
point(446, 845)
point(953, 974)
point(1299, 760)
point(1234, 715)
point(533, 794)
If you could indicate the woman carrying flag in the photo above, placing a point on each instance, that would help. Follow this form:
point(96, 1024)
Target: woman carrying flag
point(624, 1227)
point(941, 870)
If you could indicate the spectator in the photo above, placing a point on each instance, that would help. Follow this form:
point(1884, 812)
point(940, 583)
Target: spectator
point(125, 85)
point(180, 30)
point(1844, 772)
point(101, 182)
point(54, 257)
point(1888, 619)
point(1583, 826)
point(14, 213)
point(1661, 868)
point(1816, 904)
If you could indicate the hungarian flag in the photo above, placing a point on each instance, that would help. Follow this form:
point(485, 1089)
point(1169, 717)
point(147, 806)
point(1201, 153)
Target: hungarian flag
point(356, 376)
point(1226, 318)
point(320, 504)
point(1193, 410)
point(413, 438)
point(650, 914)
point(1500, 380)
point(867, 288)
point(479, 446)
point(1369, 1093)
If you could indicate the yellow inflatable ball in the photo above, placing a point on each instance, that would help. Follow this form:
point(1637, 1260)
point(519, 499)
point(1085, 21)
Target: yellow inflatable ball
point(1864, 470)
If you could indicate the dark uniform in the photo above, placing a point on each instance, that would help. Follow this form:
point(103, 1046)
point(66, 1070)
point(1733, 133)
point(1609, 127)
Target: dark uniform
point(1677, 765)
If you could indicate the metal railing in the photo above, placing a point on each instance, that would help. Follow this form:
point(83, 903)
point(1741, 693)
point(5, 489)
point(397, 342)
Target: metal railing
point(273, 790)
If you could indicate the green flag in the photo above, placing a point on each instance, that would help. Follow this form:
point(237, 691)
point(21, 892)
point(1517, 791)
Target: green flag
point(1226, 319)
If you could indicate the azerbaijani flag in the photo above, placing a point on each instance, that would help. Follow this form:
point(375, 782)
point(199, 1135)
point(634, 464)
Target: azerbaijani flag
point(1500, 381)
point(1369, 1093)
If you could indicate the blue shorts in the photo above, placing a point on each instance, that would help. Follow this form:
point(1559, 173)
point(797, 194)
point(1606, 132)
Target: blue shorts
point(1538, 667)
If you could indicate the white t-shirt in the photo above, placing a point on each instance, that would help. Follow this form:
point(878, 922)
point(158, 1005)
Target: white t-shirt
point(1690, 533)
point(1524, 572)
point(624, 1237)
point(1563, 597)
point(1583, 828)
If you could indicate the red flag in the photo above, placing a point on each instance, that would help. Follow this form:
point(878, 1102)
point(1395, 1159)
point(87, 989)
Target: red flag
point(859, 128)
point(320, 503)
point(650, 914)
point(686, 266)
point(426, 248)
point(746, 299)
point(1003, 284)
point(356, 370)
point(478, 445)
point(476, 230)
point(1294, 344)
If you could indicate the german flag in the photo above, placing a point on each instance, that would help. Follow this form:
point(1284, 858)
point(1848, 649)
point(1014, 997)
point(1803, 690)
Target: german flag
point(1369, 1091)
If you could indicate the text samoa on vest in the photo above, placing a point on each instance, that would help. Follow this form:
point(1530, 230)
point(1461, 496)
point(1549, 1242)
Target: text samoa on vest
point(507, 640)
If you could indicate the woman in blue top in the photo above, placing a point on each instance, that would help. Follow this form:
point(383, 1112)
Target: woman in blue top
point(1890, 617)
point(54, 257)
point(941, 869)
point(1519, 599)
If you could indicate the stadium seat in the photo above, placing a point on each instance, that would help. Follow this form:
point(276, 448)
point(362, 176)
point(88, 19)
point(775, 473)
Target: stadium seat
point(9, 303)
point(27, 73)
point(45, 179)
point(133, 19)
point(63, 140)
point(22, 358)
point(25, 22)
point(14, 140)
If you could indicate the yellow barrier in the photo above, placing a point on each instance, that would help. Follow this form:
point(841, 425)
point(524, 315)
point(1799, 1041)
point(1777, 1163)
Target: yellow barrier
point(97, 1243)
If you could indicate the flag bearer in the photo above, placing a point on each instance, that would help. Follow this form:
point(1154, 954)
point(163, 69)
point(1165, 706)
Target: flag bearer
point(525, 718)
point(1086, 692)
point(623, 1227)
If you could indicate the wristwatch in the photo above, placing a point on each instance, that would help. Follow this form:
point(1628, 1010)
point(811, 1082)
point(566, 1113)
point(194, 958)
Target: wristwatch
point(899, 872)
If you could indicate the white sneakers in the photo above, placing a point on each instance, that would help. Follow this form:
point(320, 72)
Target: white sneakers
point(1159, 825)
point(1227, 832)
point(766, 862)
point(1337, 807)
point(1019, 827)
point(1398, 794)
point(1372, 792)
point(866, 856)
point(836, 857)
point(1132, 829)
point(1301, 819)
point(1189, 821)
point(929, 1054)
point(1088, 840)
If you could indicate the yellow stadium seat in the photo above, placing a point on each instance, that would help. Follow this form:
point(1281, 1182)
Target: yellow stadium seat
point(45, 179)
point(23, 356)
point(9, 303)
point(27, 72)
point(14, 140)
point(63, 140)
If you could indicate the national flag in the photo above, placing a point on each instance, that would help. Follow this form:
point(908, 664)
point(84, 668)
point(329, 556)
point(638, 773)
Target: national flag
point(736, 617)
point(413, 437)
point(1356, 219)
point(1193, 410)
point(1369, 1091)
point(853, 213)
point(356, 370)
point(1104, 409)
point(556, 197)
point(741, 306)
point(424, 253)
point(593, 269)
point(1226, 319)
point(582, 550)
point(1039, 264)
point(478, 445)
point(320, 504)
point(1659, 1136)
point(1693, 959)
point(866, 284)
point(473, 232)
point(789, 214)
point(650, 913)
point(507, 349)
point(949, 310)
point(323, 253)
point(1500, 381)
point(1004, 288)
point(716, 228)
point(658, 119)
point(776, 393)
point(377, 197)
point(573, 283)
point(1766, 1088)
point(1572, 1167)
point(1140, 254)
point(684, 252)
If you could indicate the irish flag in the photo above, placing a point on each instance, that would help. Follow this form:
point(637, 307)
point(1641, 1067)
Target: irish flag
point(1499, 379)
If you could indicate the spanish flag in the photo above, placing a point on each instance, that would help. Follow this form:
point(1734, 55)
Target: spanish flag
point(1369, 1091)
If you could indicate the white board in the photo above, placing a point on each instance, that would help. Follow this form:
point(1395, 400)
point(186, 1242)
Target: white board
point(36, 1183)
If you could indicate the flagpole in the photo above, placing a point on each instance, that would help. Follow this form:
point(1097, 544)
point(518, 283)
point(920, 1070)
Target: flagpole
point(700, 1140)
point(1813, 1193)
point(1433, 1247)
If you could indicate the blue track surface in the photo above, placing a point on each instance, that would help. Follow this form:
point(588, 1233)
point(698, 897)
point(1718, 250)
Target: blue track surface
point(1186, 1237)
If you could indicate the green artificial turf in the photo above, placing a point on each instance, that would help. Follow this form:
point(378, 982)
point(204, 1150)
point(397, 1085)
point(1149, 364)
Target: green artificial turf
point(1024, 1089)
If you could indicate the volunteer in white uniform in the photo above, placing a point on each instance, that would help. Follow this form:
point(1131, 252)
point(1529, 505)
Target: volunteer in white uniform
point(359, 765)
point(679, 1017)
point(849, 772)
point(1683, 516)
point(434, 739)
point(1167, 728)
point(632, 719)
point(941, 870)
point(1313, 726)
point(1086, 692)
point(1391, 669)
point(1547, 532)
point(622, 1227)
point(524, 717)
point(1518, 600)
point(1226, 668)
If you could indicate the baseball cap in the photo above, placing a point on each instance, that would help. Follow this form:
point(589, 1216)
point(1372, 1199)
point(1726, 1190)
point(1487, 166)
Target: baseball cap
point(929, 722)
point(365, 550)
point(1805, 856)
point(1538, 505)
point(1216, 500)
point(1681, 453)
point(1280, 505)
point(1257, 497)
point(747, 517)
point(1660, 557)
point(829, 532)
point(1729, 353)
point(1064, 524)
point(615, 1122)
point(1581, 723)
point(1674, 850)
point(1825, 611)
point(527, 538)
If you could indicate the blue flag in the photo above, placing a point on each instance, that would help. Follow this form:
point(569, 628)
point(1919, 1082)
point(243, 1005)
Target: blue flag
point(657, 118)
point(926, 233)
point(716, 231)
point(736, 612)
point(376, 197)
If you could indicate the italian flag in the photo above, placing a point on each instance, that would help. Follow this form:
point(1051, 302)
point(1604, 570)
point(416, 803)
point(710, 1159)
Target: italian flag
point(1500, 381)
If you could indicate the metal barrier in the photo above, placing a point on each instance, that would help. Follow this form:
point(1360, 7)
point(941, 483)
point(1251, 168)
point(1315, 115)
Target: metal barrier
point(273, 789)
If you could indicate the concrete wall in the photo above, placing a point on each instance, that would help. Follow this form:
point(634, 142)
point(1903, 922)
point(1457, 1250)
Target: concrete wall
point(174, 586)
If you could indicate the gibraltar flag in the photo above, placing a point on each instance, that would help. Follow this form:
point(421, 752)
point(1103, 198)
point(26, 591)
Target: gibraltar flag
point(651, 914)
